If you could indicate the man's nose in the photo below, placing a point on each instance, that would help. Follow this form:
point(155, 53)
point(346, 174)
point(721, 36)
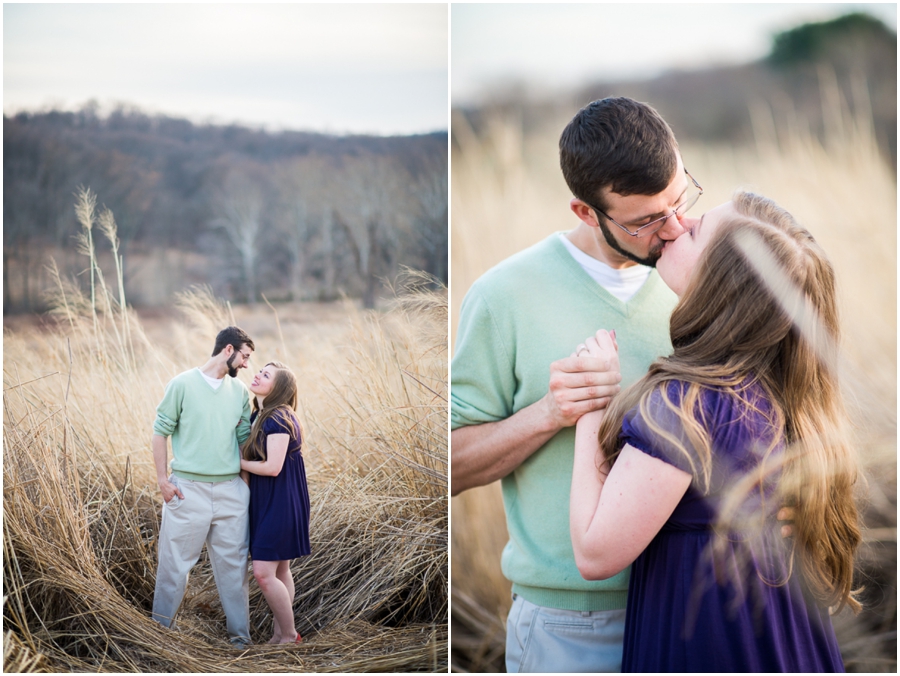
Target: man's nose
point(673, 227)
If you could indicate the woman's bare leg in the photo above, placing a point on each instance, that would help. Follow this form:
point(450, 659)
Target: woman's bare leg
point(276, 637)
point(283, 573)
point(276, 595)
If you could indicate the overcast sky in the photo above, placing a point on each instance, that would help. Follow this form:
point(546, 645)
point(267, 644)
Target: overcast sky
point(338, 68)
point(556, 46)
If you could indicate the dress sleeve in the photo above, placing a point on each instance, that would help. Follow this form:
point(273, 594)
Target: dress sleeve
point(279, 422)
point(663, 442)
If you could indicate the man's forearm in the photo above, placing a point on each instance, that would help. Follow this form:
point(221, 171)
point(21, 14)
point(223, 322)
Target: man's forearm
point(160, 446)
point(482, 454)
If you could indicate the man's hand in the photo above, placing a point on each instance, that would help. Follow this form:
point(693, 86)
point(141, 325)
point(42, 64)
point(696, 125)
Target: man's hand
point(168, 490)
point(487, 452)
point(584, 381)
point(160, 446)
point(786, 516)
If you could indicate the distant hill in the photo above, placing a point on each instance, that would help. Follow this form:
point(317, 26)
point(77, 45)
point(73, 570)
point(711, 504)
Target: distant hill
point(170, 184)
point(818, 72)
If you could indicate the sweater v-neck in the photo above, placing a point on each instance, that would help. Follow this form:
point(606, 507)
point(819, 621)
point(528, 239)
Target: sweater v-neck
point(215, 390)
point(624, 308)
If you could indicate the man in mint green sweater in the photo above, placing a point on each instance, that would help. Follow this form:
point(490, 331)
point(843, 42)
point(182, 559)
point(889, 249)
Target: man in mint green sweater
point(518, 387)
point(206, 411)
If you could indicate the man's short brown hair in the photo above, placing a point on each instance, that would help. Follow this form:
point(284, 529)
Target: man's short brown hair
point(234, 336)
point(620, 144)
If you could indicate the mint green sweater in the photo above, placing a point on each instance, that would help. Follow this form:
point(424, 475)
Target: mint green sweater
point(207, 426)
point(528, 311)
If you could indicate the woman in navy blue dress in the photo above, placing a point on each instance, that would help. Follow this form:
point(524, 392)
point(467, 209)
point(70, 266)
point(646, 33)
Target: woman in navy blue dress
point(279, 499)
point(682, 477)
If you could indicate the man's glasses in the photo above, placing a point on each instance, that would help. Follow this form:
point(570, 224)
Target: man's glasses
point(648, 229)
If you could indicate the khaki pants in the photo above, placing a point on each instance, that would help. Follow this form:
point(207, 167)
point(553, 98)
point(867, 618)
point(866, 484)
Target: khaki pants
point(215, 513)
point(549, 640)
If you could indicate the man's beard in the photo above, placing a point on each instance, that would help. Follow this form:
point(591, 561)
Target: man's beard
point(232, 370)
point(652, 256)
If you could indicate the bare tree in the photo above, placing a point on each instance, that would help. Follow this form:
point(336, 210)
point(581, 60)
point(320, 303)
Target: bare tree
point(375, 207)
point(238, 206)
point(429, 191)
point(304, 217)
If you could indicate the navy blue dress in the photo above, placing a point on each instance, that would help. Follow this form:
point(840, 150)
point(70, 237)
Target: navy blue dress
point(279, 505)
point(758, 617)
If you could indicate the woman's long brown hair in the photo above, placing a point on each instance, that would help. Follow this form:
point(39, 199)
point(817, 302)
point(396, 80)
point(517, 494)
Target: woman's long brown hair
point(280, 402)
point(729, 329)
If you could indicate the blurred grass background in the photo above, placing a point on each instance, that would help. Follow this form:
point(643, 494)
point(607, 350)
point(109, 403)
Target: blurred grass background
point(831, 164)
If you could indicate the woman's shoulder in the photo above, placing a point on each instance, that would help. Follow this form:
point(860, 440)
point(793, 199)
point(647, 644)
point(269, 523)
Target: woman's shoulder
point(748, 400)
point(281, 421)
point(747, 391)
point(713, 405)
point(733, 413)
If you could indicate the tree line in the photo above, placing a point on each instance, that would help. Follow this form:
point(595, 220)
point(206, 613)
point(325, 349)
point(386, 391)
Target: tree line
point(817, 77)
point(288, 215)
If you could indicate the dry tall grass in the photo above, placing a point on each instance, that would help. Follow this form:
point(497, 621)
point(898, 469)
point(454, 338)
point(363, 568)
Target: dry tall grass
point(81, 506)
point(508, 193)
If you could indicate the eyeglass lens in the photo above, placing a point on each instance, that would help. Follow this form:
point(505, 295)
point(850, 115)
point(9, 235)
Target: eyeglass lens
point(680, 210)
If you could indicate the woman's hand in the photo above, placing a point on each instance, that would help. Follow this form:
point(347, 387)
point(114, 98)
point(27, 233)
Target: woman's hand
point(602, 345)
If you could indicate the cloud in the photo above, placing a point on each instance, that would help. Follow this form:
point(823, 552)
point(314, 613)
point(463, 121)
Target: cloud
point(222, 60)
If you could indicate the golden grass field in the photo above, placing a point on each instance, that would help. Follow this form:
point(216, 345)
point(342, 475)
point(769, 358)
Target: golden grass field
point(81, 505)
point(508, 193)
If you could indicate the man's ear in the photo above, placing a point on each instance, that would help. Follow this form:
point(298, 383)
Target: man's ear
point(584, 212)
point(228, 350)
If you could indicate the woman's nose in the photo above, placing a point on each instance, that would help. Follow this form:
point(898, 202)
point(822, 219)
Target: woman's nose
point(674, 227)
